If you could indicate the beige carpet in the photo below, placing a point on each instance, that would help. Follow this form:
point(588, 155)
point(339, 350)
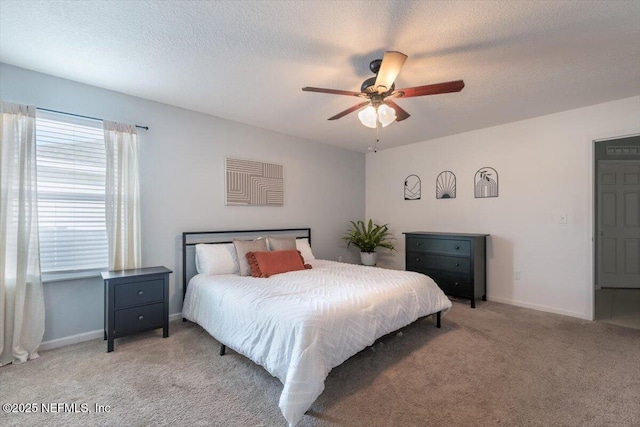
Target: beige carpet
point(496, 365)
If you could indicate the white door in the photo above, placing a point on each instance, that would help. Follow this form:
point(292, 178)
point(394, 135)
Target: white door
point(618, 224)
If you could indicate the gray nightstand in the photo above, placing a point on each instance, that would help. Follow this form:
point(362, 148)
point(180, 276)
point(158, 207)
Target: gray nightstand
point(135, 301)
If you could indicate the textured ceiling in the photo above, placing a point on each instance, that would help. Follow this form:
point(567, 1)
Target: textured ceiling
point(247, 60)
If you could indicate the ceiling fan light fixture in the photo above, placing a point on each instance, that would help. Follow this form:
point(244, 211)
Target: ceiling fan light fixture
point(368, 117)
point(375, 90)
point(386, 115)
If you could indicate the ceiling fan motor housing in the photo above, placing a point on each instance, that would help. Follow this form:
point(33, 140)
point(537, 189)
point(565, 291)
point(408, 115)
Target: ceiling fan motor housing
point(368, 86)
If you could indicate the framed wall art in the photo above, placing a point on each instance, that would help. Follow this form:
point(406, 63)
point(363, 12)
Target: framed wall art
point(412, 188)
point(252, 183)
point(446, 185)
point(486, 183)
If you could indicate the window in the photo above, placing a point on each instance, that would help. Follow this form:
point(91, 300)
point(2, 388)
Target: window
point(71, 165)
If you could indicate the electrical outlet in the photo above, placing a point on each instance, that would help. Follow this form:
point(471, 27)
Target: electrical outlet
point(564, 218)
point(516, 275)
point(340, 258)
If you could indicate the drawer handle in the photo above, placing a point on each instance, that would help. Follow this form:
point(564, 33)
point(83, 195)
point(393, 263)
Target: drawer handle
point(418, 259)
point(457, 264)
point(417, 244)
point(140, 317)
point(457, 247)
point(455, 283)
point(140, 293)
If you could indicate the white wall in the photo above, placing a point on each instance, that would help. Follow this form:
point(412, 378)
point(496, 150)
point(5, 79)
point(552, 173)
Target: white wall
point(182, 164)
point(545, 169)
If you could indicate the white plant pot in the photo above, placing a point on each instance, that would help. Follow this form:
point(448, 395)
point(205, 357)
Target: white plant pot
point(368, 258)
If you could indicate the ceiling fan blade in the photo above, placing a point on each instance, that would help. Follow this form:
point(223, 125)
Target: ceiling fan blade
point(447, 87)
point(349, 110)
point(401, 114)
point(333, 91)
point(392, 62)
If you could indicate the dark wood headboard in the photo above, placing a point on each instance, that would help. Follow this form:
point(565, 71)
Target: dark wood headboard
point(191, 238)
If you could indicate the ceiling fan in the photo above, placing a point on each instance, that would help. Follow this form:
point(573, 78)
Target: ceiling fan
point(380, 90)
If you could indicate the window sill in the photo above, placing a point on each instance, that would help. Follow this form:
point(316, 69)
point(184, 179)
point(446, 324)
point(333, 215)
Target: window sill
point(71, 275)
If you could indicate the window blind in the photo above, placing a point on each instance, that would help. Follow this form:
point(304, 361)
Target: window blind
point(71, 164)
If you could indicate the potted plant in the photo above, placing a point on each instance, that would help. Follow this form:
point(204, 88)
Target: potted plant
point(368, 237)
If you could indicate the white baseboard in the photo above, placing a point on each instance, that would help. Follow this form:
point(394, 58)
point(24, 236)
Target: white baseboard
point(73, 339)
point(86, 336)
point(175, 316)
point(540, 307)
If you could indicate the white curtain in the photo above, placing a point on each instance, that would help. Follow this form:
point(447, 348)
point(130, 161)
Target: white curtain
point(123, 196)
point(21, 294)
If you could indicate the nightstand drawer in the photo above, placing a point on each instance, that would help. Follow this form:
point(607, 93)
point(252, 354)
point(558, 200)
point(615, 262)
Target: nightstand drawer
point(416, 260)
point(138, 318)
point(438, 246)
point(135, 293)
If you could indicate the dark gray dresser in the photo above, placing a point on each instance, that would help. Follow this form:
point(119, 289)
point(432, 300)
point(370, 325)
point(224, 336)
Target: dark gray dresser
point(135, 301)
point(456, 261)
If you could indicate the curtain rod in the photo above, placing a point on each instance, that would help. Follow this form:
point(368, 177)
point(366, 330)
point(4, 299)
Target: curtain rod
point(84, 117)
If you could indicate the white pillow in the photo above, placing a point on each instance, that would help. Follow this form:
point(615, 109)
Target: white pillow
point(305, 249)
point(212, 259)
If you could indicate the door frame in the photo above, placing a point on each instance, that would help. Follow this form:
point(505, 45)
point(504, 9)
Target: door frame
point(592, 262)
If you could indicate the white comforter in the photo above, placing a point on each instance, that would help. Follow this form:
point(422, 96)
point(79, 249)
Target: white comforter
point(299, 325)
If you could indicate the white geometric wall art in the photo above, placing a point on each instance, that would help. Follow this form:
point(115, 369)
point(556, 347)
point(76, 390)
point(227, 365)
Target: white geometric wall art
point(251, 183)
point(486, 183)
point(446, 185)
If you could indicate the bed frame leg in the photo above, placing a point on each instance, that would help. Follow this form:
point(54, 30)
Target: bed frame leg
point(223, 348)
point(438, 316)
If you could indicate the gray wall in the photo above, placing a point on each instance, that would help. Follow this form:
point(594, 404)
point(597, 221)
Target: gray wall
point(182, 184)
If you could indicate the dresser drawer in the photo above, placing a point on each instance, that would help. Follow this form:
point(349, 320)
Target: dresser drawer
point(438, 246)
point(458, 285)
point(134, 293)
point(138, 318)
point(417, 260)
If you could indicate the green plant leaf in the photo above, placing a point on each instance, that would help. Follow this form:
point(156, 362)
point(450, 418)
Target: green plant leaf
point(369, 236)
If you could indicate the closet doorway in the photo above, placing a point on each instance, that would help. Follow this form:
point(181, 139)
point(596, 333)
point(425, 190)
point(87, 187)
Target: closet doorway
point(617, 231)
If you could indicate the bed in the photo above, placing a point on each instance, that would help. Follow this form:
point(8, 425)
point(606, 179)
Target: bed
point(299, 325)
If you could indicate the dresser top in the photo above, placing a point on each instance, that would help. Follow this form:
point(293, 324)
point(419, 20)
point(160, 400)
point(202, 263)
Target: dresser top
point(442, 234)
point(134, 272)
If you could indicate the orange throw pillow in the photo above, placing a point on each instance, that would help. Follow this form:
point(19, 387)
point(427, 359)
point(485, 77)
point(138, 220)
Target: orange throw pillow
point(266, 264)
